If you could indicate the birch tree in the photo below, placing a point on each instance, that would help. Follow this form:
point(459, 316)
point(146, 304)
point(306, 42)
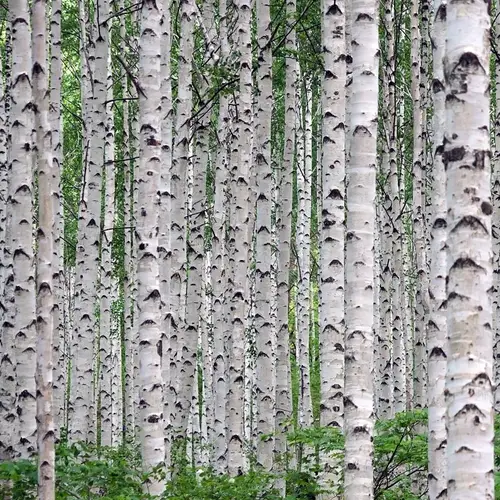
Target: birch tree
point(358, 402)
point(332, 224)
point(44, 258)
point(20, 203)
point(437, 320)
point(265, 368)
point(82, 407)
point(469, 395)
point(149, 298)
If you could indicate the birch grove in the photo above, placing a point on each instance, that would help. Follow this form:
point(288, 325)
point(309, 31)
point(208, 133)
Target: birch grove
point(249, 249)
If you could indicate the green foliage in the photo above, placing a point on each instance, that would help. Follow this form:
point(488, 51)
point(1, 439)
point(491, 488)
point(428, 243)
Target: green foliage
point(91, 473)
point(205, 484)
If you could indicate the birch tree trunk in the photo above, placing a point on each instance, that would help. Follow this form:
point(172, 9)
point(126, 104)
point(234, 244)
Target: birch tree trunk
point(469, 395)
point(149, 298)
point(437, 342)
point(128, 302)
point(165, 223)
point(284, 229)
point(419, 372)
point(358, 402)
point(59, 378)
point(82, 405)
point(332, 226)
point(398, 279)
point(21, 207)
point(331, 288)
point(183, 343)
point(303, 243)
point(106, 292)
point(44, 258)
point(239, 244)
point(219, 273)
point(386, 395)
point(496, 225)
point(265, 368)
point(7, 359)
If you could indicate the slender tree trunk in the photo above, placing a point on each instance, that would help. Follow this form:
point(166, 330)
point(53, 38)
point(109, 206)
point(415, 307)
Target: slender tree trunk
point(20, 203)
point(149, 298)
point(284, 230)
point(496, 223)
point(7, 359)
point(219, 273)
point(106, 291)
point(60, 379)
point(82, 407)
point(398, 281)
point(331, 288)
point(165, 224)
point(358, 402)
point(265, 368)
point(239, 244)
point(469, 395)
point(386, 394)
point(436, 327)
point(332, 225)
point(128, 301)
point(44, 258)
point(303, 244)
point(419, 373)
point(183, 372)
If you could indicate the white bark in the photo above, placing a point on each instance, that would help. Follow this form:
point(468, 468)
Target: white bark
point(284, 229)
point(265, 368)
point(218, 272)
point(165, 223)
point(182, 344)
point(82, 404)
point(239, 244)
point(437, 293)
point(21, 206)
point(60, 379)
point(106, 292)
point(469, 395)
point(359, 418)
point(332, 217)
point(44, 258)
point(147, 212)
point(419, 370)
point(303, 244)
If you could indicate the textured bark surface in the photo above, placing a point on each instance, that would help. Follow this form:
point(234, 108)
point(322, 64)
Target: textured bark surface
point(219, 271)
point(331, 289)
point(265, 366)
point(437, 341)
point(469, 396)
point(284, 234)
point(148, 274)
point(106, 285)
point(418, 375)
point(239, 244)
point(44, 258)
point(20, 203)
point(7, 353)
point(496, 227)
point(183, 344)
point(385, 397)
point(332, 225)
point(60, 379)
point(358, 402)
point(82, 405)
point(303, 245)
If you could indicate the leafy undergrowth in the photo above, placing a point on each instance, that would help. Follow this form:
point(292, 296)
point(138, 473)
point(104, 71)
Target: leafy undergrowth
point(89, 473)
